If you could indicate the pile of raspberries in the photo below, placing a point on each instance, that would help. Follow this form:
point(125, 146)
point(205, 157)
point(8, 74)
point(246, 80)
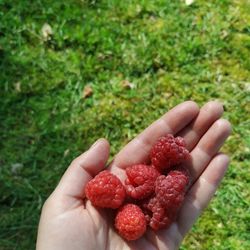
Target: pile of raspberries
point(151, 195)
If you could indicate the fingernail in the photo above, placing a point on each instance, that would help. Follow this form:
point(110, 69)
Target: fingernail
point(95, 143)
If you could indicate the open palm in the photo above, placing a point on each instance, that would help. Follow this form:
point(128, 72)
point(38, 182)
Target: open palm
point(68, 221)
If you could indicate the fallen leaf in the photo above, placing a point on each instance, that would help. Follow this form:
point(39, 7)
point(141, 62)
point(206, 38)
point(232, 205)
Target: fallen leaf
point(161, 72)
point(18, 86)
point(167, 95)
point(66, 152)
point(247, 86)
point(127, 84)
point(16, 167)
point(87, 91)
point(224, 34)
point(47, 32)
point(189, 2)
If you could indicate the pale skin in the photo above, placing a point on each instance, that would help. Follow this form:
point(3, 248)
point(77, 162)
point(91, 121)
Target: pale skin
point(69, 221)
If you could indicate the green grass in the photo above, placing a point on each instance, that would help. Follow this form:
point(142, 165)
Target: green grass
point(169, 51)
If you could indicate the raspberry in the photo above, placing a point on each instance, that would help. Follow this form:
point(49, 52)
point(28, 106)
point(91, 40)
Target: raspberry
point(156, 215)
point(181, 173)
point(130, 222)
point(140, 181)
point(105, 190)
point(168, 151)
point(170, 189)
point(161, 209)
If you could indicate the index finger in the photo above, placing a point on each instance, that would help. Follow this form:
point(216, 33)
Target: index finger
point(137, 151)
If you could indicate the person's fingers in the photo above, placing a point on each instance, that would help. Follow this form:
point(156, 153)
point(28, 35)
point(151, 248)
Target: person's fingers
point(137, 151)
point(208, 114)
point(208, 146)
point(200, 194)
point(196, 200)
point(82, 169)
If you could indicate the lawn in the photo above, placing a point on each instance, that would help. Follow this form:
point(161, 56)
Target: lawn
point(138, 58)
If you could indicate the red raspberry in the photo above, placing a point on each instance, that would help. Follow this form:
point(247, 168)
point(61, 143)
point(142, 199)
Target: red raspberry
point(130, 222)
point(182, 173)
point(170, 189)
point(105, 190)
point(161, 209)
point(140, 181)
point(157, 216)
point(168, 151)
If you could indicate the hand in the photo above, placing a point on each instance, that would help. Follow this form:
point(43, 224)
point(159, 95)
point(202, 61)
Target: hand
point(68, 221)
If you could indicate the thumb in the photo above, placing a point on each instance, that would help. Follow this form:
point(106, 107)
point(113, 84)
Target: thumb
point(83, 169)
